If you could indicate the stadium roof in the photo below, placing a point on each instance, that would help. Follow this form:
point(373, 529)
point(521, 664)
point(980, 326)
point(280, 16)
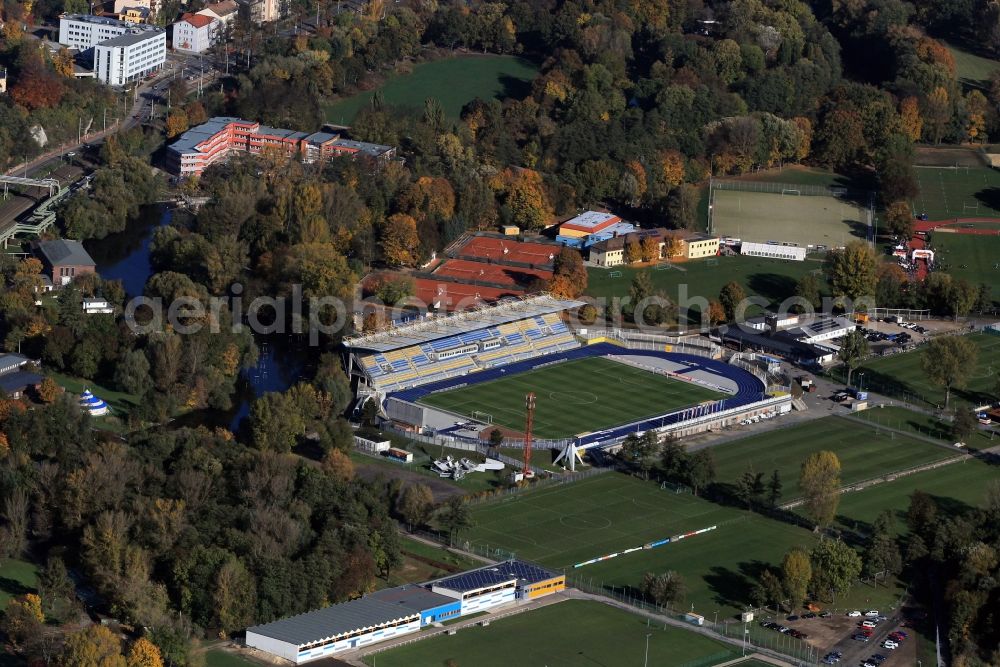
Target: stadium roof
point(411, 598)
point(435, 328)
point(331, 621)
point(492, 575)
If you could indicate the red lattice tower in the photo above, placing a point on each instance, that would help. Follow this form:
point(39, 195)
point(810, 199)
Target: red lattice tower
point(529, 407)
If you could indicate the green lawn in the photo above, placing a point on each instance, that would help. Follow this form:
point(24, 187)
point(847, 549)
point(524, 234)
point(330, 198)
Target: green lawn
point(569, 633)
point(926, 425)
point(423, 562)
point(958, 487)
point(800, 175)
point(121, 403)
point(972, 69)
point(772, 279)
point(574, 397)
point(17, 577)
point(864, 452)
point(901, 376)
point(217, 657)
point(954, 192)
point(454, 82)
point(974, 258)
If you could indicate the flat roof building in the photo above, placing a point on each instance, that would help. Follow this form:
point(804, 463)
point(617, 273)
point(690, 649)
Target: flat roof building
point(588, 223)
point(773, 251)
point(214, 140)
point(124, 51)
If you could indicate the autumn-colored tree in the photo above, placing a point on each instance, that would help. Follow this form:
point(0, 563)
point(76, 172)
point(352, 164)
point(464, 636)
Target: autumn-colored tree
point(62, 61)
point(900, 219)
point(4, 446)
point(235, 595)
point(671, 168)
point(94, 646)
point(37, 88)
point(650, 249)
point(428, 196)
point(177, 122)
point(527, 201)
point(910, 119)
point(196, 113)
point(937, 113)
point(569, 274)
point(934, 52)
point(805, 137)
point(731, 296)
point(716, 313)
point(976, 107)
point(633, 251)
point(415, 504)
point(852, 270)
point(143, 653)
point(338, 465)
point(48, 390)
point(673, 246)
point(796, 573)
point(399, 240)
point(635, 176)
point(23, 618)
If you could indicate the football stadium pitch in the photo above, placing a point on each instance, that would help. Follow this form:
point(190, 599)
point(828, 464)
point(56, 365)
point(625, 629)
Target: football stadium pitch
point(569, 633)
point(787, 218)
point(957, 192)
point(865, 451)
point(573, 397)
point(976, 258)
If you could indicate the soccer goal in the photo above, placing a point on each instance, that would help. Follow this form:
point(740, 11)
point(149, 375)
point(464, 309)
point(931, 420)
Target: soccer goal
point(790, 191)
point(615, 274)
point(712, 261)
point(674, 488)
point(483, 417)
point(663, 266)
point(967, 208)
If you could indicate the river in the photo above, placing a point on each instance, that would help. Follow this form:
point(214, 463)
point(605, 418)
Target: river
point(281, 363)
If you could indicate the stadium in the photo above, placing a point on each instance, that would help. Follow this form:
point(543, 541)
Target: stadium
point(460, 376)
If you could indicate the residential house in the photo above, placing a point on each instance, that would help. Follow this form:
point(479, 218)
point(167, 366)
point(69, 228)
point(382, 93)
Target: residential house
point(225, 12)
point(14, 380)
point(694, 245)
point(63, 260)
point(195, 33)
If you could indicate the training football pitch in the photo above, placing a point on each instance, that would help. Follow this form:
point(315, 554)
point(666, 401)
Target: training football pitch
point(568, 524)
point(573, 397)
point(569, 633)
point(787, 218)
point(957, 192)
point(902, 376)
point(865, 451)
point(976, 258)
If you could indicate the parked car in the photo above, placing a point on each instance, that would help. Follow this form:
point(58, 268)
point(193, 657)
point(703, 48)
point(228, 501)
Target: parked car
point(871, 613)
point(868, 624)
point(854, 614)
point(889, 644)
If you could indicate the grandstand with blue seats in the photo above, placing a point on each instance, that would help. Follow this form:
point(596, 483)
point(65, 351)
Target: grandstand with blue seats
point(442, 348)
point(402, 365)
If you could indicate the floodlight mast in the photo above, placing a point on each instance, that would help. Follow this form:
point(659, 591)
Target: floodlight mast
point(529, 406)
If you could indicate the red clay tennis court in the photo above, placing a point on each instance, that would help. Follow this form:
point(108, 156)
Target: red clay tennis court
point(508, 250)
point(462, 269)
point(452, 294)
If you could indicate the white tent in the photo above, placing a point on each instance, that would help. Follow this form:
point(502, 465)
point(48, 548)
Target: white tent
point(92, 404)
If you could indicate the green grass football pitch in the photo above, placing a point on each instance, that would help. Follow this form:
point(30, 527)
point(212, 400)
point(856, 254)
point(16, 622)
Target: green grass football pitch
point(976, 258)
point(902, 376)
point(787, 218)
point(865, 451)
point(573, 397)
point(454, 82)
point(568, 633)
point(957, 192)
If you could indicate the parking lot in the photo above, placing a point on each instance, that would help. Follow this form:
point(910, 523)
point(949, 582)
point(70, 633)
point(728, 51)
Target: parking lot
point(840, 639)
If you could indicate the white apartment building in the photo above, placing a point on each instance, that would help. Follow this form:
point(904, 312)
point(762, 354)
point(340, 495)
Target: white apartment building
point(130, 57)
point(195, 33)
point(225, 11)
point(83, 31)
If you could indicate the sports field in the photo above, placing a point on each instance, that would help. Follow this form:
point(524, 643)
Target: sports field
point(454, 82)
point(864, 452)
point(975, 258)
point(957, 192)
point(574, 397)
point(921, 424)
point(958, 487)
point(568, 633)
point(772, 279)
point(972, 69)
point(902, 376)
point(787, 218)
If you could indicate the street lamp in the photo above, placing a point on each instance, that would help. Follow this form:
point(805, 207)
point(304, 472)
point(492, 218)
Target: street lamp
point(645, 661)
